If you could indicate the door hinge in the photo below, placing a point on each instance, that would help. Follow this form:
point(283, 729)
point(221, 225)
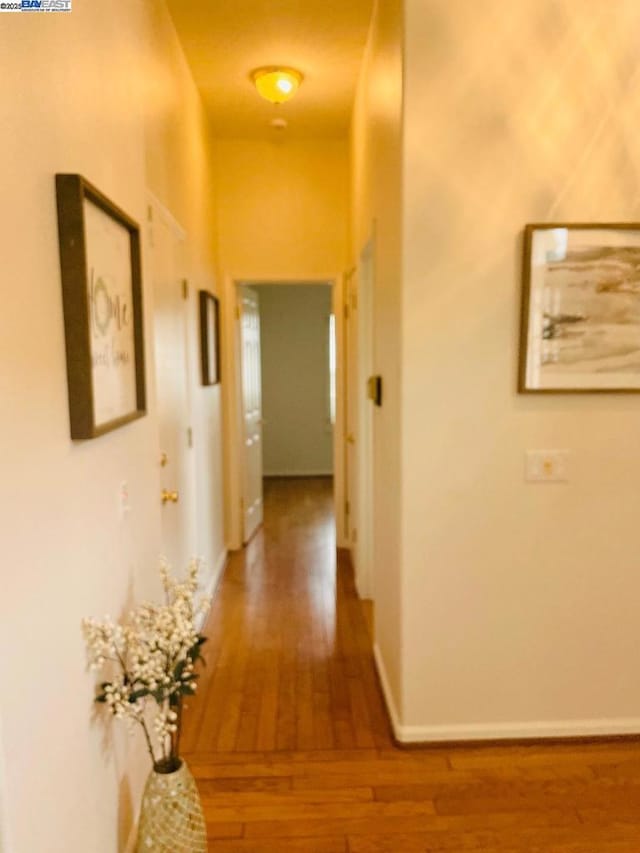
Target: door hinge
point(347, 508)
point(346, 311)
point(238, 312)
point(185, 288)
point(189, 437)
point(242, 506)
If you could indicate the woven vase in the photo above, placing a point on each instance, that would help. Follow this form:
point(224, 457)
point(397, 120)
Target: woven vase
point(171, 819)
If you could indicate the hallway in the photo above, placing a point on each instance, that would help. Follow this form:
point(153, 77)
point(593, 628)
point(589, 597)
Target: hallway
point(289, 741)
point(288, 653)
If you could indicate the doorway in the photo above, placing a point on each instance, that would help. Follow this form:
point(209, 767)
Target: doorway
point(363, 542)
point(287, 347)
point(173, 342)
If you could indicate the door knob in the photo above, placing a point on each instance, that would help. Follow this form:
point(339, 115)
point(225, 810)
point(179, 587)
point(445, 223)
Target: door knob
point(351, 438)
point(168, 497)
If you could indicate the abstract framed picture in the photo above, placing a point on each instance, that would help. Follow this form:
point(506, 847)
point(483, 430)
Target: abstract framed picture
point(580, 329)
point(102, 300)
point(209, 338)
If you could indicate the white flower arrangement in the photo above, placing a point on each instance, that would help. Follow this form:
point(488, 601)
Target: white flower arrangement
point(154, 656)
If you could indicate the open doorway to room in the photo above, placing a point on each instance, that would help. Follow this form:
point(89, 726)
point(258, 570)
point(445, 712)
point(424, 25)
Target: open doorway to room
point(288, 395)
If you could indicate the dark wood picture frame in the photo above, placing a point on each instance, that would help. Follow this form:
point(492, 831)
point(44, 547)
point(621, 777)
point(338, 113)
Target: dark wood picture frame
point(72, 191)
point(209, 338)
point(570, 324)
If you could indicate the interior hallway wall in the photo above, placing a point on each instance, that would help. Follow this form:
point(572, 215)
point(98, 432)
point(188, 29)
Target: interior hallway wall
point(105, 92)
point(180, 172)
point(283, 207)
point(294, 335)
point(283, 215)
point(520, 601)
point(376, 164)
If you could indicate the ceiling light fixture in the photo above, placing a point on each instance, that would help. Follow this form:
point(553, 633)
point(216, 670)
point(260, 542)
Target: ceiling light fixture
point(276, 84)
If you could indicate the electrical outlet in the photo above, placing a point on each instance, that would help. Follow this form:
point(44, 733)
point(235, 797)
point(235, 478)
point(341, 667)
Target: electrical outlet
point(123, 499)
point(547, 466)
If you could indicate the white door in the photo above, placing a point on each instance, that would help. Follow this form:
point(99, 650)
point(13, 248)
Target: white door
point(251, 410)
point(359, 421)
point(172, 331)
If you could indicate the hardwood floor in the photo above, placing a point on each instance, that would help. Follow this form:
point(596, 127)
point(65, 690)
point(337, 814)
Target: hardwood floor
point(289, 741)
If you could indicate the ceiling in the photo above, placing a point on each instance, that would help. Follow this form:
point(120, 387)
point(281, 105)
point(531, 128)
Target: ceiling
point(224, 40)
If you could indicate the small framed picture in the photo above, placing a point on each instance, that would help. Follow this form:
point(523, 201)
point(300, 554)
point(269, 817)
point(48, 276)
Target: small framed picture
point(209, 338)
point(580, 327)
point(102, 299)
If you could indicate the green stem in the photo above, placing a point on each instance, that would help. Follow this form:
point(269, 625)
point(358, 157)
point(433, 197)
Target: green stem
point(142, 722)
point(149, 744)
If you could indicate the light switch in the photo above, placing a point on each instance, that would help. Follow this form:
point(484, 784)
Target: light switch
point(547, 466)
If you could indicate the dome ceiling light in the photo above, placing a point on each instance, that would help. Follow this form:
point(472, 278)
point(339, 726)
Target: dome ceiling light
point(276, 84)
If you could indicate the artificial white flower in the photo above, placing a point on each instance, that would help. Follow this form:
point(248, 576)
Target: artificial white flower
point(154, 656)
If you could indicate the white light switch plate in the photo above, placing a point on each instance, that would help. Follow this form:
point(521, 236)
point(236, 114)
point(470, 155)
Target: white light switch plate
point(547, 466)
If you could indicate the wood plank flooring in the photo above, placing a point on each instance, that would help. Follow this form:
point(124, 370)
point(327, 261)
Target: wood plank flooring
point(289, 741)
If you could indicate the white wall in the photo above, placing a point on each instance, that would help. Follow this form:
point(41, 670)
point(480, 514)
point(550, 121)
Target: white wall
point(104, 92)
point(180, 171)
point(294, 331)
point(519, 601)
point(283, 208)
point(283, 215)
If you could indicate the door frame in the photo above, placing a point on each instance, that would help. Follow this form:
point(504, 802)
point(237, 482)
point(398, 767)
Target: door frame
point(244, 466)
point(365, 419)
point(232, 387)
point(158, 213)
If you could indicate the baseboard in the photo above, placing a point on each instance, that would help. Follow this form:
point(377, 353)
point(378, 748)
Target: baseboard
point(478, 733)
point(534, 731)
point(392, 708)
point(213, 584)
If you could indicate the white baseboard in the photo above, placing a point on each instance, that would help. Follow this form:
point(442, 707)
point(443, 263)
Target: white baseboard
point(392, 708)
point(212, 585)
point(527, 730)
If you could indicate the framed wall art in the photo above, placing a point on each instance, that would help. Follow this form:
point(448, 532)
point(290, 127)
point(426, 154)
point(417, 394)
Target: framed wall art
point(209, 338)
point(102, 298)
point(581, 308)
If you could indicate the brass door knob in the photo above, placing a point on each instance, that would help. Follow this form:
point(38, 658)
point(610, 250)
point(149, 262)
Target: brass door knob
point(351, 438)
point(169, 497)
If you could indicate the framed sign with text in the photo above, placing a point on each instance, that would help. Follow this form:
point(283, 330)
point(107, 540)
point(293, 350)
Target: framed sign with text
point(102, 298)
